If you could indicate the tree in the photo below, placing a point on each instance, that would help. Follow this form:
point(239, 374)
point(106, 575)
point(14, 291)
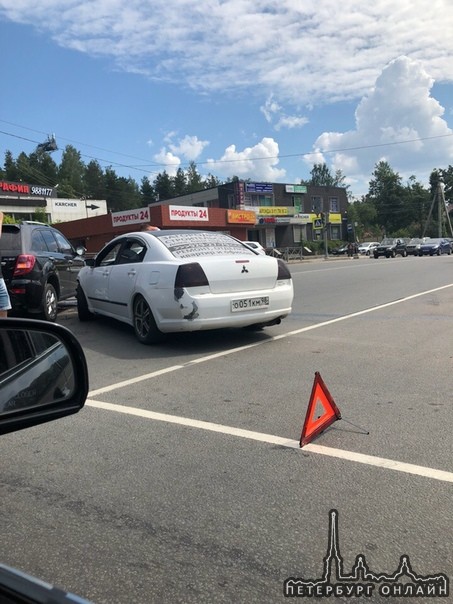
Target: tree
point(71, 173)
point(179, 183)
point(163, 186)
point(94, 181)
point(389, 198)
point(321, 176)
point(194, 179)
point(147, 192)
point(210, 182)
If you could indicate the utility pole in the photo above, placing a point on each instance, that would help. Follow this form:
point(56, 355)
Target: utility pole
point(441, 208)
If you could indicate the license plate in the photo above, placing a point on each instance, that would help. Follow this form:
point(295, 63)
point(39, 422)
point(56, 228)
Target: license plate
point(249, 303)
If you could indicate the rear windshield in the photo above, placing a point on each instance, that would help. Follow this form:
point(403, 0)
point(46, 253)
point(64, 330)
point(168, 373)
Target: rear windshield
point(192, 245)
point(10, 238)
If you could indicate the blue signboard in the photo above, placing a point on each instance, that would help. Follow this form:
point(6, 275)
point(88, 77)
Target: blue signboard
point(258, 187)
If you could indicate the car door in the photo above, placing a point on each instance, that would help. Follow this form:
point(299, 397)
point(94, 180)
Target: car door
point(95, 281)
point(123, 276)
point(71, 263)
point(49, 255)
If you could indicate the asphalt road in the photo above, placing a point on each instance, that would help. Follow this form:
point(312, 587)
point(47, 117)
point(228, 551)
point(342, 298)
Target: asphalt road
point(182, 480)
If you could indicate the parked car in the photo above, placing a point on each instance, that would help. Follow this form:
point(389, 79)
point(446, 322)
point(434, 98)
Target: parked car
point(340, 251)
point(182, 280)
point(391, 247)
point(43, 377)
point(259, 249)
point(368, 247)
point(413, 246)
point(435, 247)
point(40, 268)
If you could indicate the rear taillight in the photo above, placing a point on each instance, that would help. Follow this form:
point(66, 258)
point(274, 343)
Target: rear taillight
point(24, 264)
point(283, 270)
point(190, 275)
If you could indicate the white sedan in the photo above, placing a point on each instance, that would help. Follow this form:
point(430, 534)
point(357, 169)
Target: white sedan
point(182, 280)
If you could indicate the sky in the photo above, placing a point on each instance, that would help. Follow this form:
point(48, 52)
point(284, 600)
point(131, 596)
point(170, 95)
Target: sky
point(259, 89)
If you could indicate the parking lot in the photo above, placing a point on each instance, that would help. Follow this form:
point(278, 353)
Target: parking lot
point(182, 479)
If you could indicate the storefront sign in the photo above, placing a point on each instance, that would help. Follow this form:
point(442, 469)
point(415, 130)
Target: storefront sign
point(258, 187)
point(20, 188)
point(188, 213)
point(130, 217)
point(268, 220)
point(273, 211)
point(295, 188)
point(241, 217)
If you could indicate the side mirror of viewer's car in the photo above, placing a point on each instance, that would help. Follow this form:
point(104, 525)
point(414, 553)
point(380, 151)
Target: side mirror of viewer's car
point(43, 373)
point(43, 376)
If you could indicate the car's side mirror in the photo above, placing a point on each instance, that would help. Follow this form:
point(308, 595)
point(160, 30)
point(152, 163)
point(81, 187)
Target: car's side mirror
point(43, 373)
point(90, 261)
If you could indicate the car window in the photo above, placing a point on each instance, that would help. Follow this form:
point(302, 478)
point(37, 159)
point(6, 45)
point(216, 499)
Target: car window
point(37, 242)
point(50, 240)
point(132, 251)
point(10, 239)
point(63, 244)
point(192, 245)
point(108, 256)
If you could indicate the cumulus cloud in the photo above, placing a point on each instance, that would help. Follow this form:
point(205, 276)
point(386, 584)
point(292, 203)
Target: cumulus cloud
point(259, 162)
point(398, 121)
point(169, 162)
point(190, 147)
point(306, 52)
point(275, 115)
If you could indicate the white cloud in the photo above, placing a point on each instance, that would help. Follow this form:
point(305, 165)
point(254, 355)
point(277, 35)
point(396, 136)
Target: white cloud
point(398, 109)
point(275, 115)
point(189, 147)
point(303, 52)
point(258, 162)
point(169, 162)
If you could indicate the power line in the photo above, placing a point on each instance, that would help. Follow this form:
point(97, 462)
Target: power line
point(148, 165)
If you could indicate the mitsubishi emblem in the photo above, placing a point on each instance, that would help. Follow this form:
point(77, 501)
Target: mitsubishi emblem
point(244, 270)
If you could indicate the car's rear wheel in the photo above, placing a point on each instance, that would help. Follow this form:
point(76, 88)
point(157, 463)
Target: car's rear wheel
point(83, 311)
point(49, 304)
point(145, 326)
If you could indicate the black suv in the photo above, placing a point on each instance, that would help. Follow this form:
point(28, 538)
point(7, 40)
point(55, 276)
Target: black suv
point(391, 248)
point(40, 267)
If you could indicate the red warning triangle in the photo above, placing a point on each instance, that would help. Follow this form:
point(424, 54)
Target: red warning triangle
point(321, 413)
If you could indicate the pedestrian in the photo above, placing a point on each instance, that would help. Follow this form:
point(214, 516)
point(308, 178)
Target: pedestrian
point(149, 227)
point(350, 249)
point(5, 302)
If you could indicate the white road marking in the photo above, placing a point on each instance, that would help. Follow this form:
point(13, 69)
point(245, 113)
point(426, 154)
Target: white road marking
point(371, 460)
point(224, 353)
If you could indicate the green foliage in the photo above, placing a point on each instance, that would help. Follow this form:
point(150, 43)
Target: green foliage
point(40, 215)
point(8, 219)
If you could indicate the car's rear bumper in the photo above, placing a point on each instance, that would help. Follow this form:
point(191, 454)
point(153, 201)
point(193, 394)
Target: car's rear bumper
point(197, 311)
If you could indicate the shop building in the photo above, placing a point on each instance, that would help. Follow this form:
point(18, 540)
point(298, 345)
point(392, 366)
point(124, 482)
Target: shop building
point(21, 201)
point(274, 214)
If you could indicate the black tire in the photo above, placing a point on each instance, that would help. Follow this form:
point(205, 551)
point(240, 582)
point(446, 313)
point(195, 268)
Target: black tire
point(145, 327)
point(82, 305)
point(438, 252)
point(404, 253)
point(49, 303)
point(376, 256)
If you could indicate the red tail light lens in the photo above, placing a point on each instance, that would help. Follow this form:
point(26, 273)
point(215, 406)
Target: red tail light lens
point(283, 270)
point(24, 264)
point(190, 275)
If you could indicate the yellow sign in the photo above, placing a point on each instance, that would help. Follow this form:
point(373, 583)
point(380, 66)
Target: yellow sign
point(241, 217)
point(273, 211)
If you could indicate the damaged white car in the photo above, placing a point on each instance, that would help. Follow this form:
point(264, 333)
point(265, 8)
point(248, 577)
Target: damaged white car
point(171, 281)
